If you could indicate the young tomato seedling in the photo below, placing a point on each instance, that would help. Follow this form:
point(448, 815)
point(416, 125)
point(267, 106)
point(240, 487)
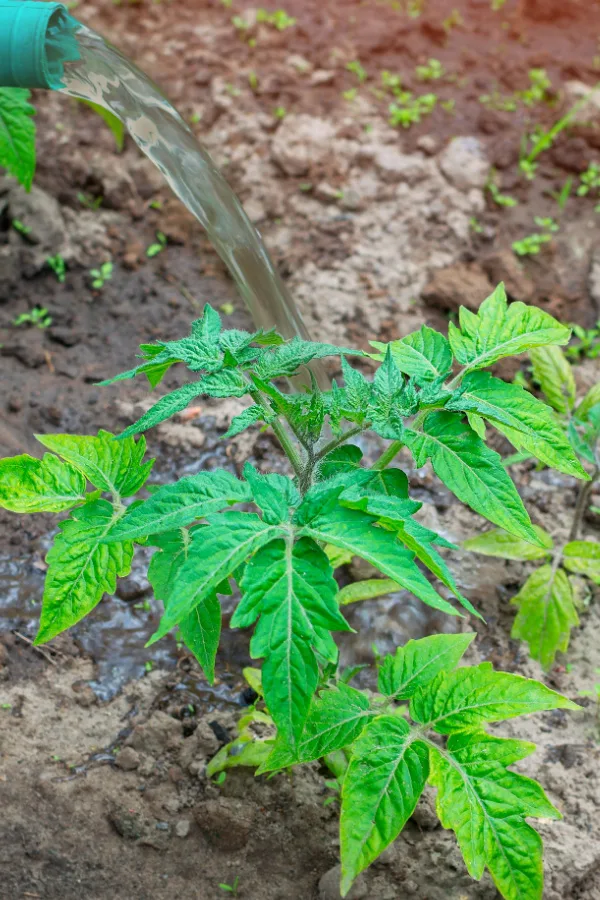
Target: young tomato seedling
point(431, 394)
point(548, 604)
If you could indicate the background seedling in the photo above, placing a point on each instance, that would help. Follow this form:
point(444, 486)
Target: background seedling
point(58, 266)
point(38, 316)
point(433, 71)
point(547, 223)
point(102, 275)
point(231, 888)
point(409, 110)
point(20, 228)
point(531, 245)
point(499, 198)
point(357, 69)
point(159, 245)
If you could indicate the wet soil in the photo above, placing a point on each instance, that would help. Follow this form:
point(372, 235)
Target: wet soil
point(375, 232)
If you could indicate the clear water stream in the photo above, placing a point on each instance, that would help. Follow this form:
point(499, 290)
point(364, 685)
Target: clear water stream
point(105, 76)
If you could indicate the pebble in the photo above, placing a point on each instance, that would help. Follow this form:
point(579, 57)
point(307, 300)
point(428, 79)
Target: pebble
point(127, 759)
point(464, 163)
point(182, 828)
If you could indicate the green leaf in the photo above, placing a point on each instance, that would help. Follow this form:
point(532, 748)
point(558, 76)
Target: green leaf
point(477, 424)
point(226, 383)
point(424, 354)
point(392, 400)
point(472, 471)
point(336, 718)
point(546, 614)
point(197, 354)
point(275, 495)
point(180, 504)
point(81, 568)
point(385, 778)
point(29, 485)
point(554, 374)
point(288, 358)
point(500, 330)
point(356, 532)
point(110, 465)
point(583, 557)
point(485, 804)
point(358, 391)
point(200, 630)
point(591, 399)
point(527, 422)
point(208, 328)
point(214, 554)
point(116, 126)
point(246, 750)
point(466, 698)
point(421, 540)
point(154, 372)
point(340, 460)
point(245, 419)
point(417, 663)
point(500, 543)
point(17, 135)
point(290, 588)
point(367, 589)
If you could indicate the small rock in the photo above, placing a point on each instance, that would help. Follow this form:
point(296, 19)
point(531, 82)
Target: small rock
point(127, 822)
point(299, 63)
point(457, 285)
point(351, 200)
point(225, 823)
point(42, 214)
point(465, 164)
point(424, 814)
point(3, 655)
point(84, 694)
point(127, 759)
point(428, 144)
point(329, 886)
point(326, 192)
point(394, 166)
point(133, 587)
point(572, 154)
point(503, 266)
point(575, 91)
point(161, 732)
point(182, 828)
point(301, 142)
point(321, 76)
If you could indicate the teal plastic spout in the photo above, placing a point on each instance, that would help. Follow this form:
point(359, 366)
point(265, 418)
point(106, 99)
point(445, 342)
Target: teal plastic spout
point(36, 39)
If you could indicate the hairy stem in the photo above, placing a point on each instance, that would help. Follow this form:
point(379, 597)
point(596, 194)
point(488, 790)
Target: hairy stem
point(338, 441)
point(387, 456)
point(282, 436)
point(582, 502)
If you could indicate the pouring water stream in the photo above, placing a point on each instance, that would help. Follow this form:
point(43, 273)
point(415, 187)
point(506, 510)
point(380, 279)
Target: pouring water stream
point(106, 77)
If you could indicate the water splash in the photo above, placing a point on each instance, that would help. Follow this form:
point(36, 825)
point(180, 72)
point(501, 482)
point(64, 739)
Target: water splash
point(105, 76)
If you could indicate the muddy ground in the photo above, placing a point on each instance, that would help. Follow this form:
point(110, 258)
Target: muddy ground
point(376, 229)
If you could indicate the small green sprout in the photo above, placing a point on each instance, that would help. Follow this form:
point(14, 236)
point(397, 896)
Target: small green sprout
point(433, 71)
point(528, 168)
point(588, 343)
point(350, 94)
point(448, 105)
point(357, 69)
point(278, 19)
point(563, 195)
point(391, 82)
point(499, 198)
point(498, 101)
point(227, 309)
point(38, 316)
point(590, 180)
point(58, 266)
point(101, 275)
point(475, 225)
point(155, 204)
point(148, 665)
point(409, 110)
point(538, 89)
point(253, 81)
point(5, 705)
point(89, 202)
point(531, 245)
point(156, 248)
point(231, 888)
point(240, 23)
point(20, 227)
point(454, 20)
point(547, 223)
point(497, 5)
point(280, 112)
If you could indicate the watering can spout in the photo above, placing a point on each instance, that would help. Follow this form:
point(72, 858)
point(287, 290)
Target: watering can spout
point(36, 40)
